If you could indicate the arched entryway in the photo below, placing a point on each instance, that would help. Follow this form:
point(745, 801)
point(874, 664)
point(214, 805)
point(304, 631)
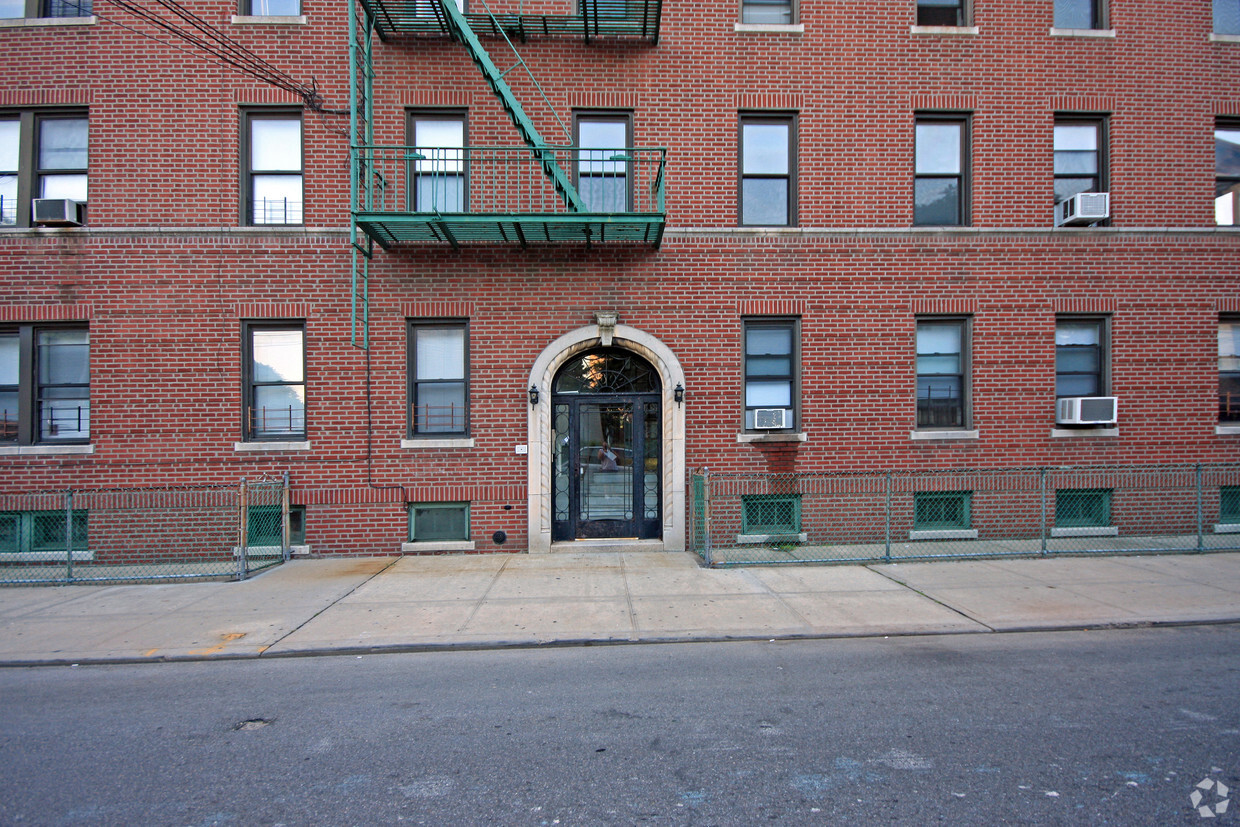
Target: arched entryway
point(606, 447)
point(631, 401)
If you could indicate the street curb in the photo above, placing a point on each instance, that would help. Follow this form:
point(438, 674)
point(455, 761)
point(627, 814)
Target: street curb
point(569, 643)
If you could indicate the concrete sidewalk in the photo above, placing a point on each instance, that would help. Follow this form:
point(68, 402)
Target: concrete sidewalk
point(355, 605)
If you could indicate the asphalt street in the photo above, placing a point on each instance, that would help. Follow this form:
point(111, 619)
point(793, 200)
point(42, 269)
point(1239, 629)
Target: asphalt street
point(1119, 726)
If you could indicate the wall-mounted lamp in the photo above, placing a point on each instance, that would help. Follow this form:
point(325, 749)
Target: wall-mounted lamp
point(533, 395)
point(678, 393)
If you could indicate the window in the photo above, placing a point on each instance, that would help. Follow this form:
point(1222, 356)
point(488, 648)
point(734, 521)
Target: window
point(768, 170)
point(602, 163)
point(10, 141)
point(770, 374)
point(1082, 508)
point(273, 8)
point(275, 385)
point(42, 155)
point(61, 158)
point(438, 378)
point(1226, 174)
point(12, 9)
point(1078, 14)
point(940, 182)
point(41, 535)
point(1228, 371)
point(1229, 504)
point(1080, 357)
point(264, 525)
point(273, 185)
point(438, 177)
point(942, 510)
point(942, 386)
point(431, 522)
point(44, 385)
point(778, 12)
point(1078, 156)
point(770, 513)
point(1227, 16)
point(941, 13)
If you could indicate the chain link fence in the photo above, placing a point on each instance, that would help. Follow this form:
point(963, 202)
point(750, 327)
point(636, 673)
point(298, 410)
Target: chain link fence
point(762, 518)
point(144, 534)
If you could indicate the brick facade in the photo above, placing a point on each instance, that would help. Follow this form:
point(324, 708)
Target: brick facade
point(164, 274)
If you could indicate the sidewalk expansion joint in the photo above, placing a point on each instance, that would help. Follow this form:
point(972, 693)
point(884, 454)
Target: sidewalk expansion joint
point(934, 600)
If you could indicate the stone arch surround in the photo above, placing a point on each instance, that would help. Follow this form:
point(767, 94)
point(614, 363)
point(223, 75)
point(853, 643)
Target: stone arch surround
point(539, 431)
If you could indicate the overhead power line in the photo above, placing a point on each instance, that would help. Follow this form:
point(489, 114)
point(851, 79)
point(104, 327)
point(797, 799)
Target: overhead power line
point(204, 37)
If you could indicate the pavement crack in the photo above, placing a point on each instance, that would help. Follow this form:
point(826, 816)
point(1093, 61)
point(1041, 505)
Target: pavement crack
point(483, 597)
point(628, 600)
point(311, 618)
point(933, 599)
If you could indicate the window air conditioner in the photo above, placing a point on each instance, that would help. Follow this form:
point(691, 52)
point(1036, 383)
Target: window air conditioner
point(57, 212)
point(1083, 208)
point(1085, 410)
point(770, 419)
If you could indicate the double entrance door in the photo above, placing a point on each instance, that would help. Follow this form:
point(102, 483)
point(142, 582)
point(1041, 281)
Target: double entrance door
point(606, 466)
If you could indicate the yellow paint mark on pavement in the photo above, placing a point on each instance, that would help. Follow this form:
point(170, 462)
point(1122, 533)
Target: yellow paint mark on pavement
point(149, 652)
point(224, 641)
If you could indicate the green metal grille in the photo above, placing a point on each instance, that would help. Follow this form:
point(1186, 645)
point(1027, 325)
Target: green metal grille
point(1083, 508)
point(771, 514)
point(942, 510)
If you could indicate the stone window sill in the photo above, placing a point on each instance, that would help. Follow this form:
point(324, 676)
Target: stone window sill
point(1086, 531)
point(754, 539)
point(1069, 433)
point(944, 534)
point(1227, 430)
point(768, 437)
point(268, 20)
point(451, 442)
point(271, 446)
point(950, 31)
point(1227, 528)
point(943, 434)
point(1097, 34)
point(1224, 38)
point(23, 22)
point(273, 551)
point(437, 545)
point(769, 28)
point(45, 450)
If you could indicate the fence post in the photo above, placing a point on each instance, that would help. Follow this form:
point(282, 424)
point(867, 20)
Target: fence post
point(243, 526)
point(706, 516)
point(1042, 499)
point(286, 529)
point(887, 523)
point(1201, 540)
point(69, 534)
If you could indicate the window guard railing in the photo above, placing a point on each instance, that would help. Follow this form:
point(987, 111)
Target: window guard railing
point(1229, 407)
point(267, 422)
point(504, 180)
point(276, 211)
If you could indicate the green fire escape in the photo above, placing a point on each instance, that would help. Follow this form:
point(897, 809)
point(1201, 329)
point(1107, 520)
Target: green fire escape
point(533, 192)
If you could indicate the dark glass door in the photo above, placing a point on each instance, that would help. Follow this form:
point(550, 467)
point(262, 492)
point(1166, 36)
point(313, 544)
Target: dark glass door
point(607, 447)
point(606, 474)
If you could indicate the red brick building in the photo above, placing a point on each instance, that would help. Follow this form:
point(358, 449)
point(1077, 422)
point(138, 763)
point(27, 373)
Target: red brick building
point(773, 236)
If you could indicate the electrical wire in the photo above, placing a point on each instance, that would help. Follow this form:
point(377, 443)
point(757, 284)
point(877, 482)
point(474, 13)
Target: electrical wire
point(206, 38)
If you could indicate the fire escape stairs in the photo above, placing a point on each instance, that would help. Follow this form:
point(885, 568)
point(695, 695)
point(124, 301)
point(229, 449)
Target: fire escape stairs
point(456, 24)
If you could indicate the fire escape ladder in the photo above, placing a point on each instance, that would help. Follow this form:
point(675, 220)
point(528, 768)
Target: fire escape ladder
point(461, 30)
